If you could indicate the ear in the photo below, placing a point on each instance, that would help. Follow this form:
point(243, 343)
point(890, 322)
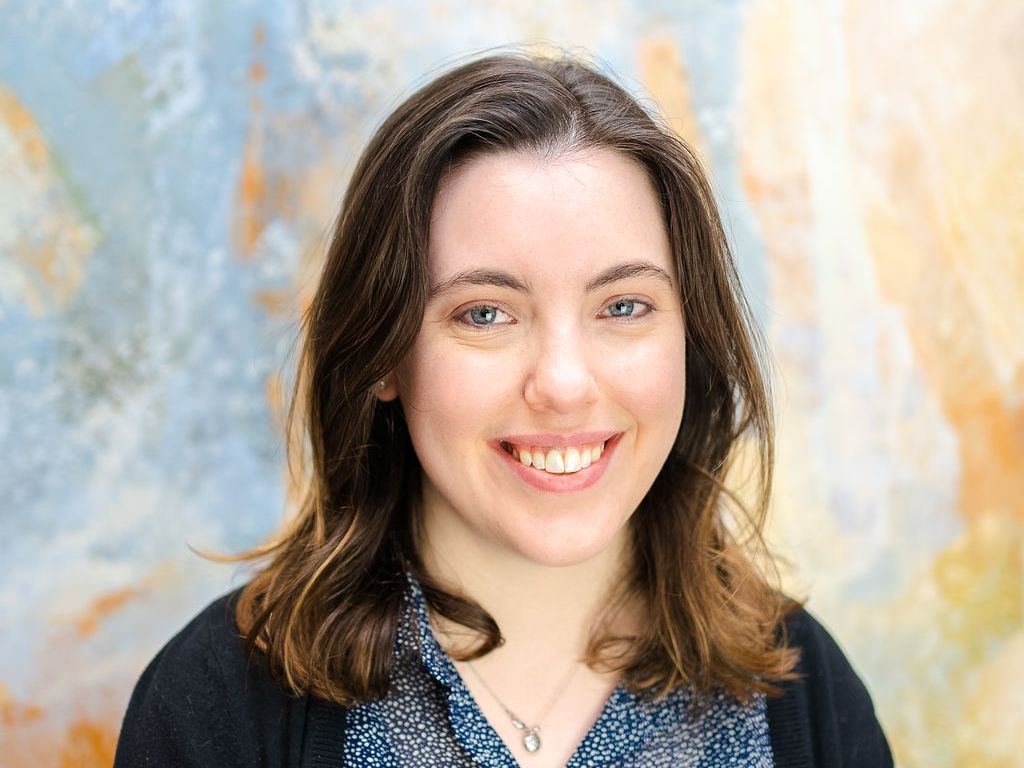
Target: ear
point(386, 391)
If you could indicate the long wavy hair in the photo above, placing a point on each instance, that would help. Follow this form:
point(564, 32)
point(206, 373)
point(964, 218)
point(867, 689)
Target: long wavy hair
point(326, 604)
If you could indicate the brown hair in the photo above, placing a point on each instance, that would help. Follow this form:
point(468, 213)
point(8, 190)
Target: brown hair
point(326, 605)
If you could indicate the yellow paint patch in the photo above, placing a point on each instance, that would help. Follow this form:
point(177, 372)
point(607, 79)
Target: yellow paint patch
point(997, 697)
point(980, 582)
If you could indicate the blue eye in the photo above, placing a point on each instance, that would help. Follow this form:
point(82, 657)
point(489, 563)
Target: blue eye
point(483, 315)
point(627, 309)
point(622, 308)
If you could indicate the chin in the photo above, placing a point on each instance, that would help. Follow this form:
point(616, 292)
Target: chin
point(564, 548)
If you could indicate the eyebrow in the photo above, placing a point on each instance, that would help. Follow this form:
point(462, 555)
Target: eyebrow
point(625, 271)
point(479, 277)
point(505, 280)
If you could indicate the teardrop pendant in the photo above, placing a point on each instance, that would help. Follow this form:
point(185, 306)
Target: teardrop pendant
point(531, 740)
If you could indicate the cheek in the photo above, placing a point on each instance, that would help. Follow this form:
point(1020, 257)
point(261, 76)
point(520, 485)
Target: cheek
point(448, 391)
point(651, 379)
point(668, 379)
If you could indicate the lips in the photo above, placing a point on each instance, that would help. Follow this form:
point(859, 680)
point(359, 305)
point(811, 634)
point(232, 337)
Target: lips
point(558, 453)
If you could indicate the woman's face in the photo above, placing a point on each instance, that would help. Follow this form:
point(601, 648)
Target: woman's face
point(546, 385)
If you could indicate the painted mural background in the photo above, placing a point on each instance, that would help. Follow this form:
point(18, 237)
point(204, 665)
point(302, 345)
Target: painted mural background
point(167, 173)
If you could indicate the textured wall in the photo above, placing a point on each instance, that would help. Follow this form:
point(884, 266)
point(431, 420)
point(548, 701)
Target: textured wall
point(167, 170)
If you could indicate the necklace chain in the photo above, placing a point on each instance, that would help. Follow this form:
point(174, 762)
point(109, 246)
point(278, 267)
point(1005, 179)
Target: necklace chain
point(531, 734)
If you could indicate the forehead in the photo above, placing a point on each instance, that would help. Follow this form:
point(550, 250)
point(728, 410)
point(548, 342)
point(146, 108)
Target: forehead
point(564, 217)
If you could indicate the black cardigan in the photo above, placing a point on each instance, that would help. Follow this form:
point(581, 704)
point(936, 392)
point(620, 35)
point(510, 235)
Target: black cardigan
point(200, 702)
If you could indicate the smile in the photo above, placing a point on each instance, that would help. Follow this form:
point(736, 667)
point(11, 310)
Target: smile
point(556, 461)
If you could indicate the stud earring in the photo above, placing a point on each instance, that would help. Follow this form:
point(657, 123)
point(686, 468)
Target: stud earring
point(382, 384)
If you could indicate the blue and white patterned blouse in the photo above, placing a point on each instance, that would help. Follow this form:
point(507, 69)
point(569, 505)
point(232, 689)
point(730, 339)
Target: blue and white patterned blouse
point(429, 718)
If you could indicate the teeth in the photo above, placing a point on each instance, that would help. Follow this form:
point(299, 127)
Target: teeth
point(557, 461)
point(538, 460)
point(553, 462)
point(573, 463)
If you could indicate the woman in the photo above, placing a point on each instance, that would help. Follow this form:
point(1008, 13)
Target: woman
point(525, 374)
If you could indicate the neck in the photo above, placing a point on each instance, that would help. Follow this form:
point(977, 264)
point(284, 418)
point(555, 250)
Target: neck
point(543, 611)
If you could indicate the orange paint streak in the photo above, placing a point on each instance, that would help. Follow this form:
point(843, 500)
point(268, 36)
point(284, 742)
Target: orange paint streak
point(102, 607)
point(88, 744)
point(917, 263)
point(283, 195)
point(933, 199)
point(13, 714)
point(753, 184)
point(992, 450)
point(19, 122)
point(51, 244)
point(276, 399)
point(274, 302)
point(31, 737)
point(943, 201)
point(78, 722)
point(252, 192)
point(664, 75)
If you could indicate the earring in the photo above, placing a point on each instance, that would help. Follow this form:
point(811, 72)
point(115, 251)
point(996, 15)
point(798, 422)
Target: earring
point(382, 384)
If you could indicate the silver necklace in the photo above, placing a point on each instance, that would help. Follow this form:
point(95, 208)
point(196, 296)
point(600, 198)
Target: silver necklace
point(531, 733)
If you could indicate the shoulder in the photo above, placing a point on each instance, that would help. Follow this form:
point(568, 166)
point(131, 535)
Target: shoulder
point(826, 717)
point(203, 701)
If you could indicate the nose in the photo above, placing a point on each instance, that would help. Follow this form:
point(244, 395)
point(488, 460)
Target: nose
point(560, 376)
